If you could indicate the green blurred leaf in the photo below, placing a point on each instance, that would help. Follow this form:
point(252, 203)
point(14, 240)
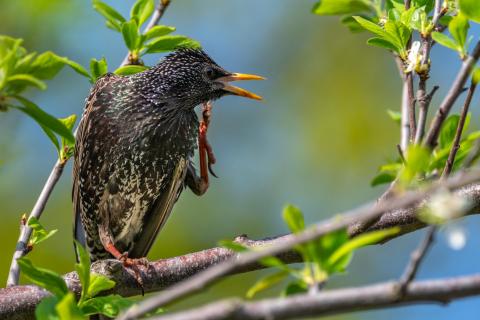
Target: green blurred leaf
point(429, 4)
point(444, 40)
point(67, 308)
point(395, 116)
point(471, 9)
point(330, 242)
point(340, 259)
point(417, 161)
point(266, 282)
point(399, 32)
point(130, 69)
point(44, 119)
point(44, 278)
point(276, 263)
point(108, 305)
point(76, 67)
point(296, 287)
point(67, 147)
point(476, 75)
point(170, 43)
point(99, 283)
point(447, 132)
point(336, 7)
point(46, 66)
point(458, 28)
point(39, 232)
point(158, 31)
point(141, 10)
point(382, 43)
point(233, 245)
point(45, 310)
point(98, 67)
point(18, 82)
point(294, 218)
point(131, 36)
point(83, 270)
point(114, 19)
point(382, 178)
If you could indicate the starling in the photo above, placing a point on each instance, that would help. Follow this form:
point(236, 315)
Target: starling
point(134, 150)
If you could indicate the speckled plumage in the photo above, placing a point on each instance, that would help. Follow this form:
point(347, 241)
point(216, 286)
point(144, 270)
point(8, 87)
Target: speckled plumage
point(135, 143)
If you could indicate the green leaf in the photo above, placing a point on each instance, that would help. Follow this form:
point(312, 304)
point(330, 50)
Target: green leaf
point(395, 116)
point(449, 128)
point(417, 161)
point(296, 287)
point(158, 31)
point(19, 82)
point(45, 119)
point(470, 8)
point(98, 67)
point(39, 232)
point(170, 43)
point(46, 309)
point(335, 7)
point(233, 245)
point(131, 36)
point(68, 147)
point(76, 67)
point(444, 40)
point(276, 263)
point(400, 32)
point(130, 69)
point(382, 43)
point(476, 75)
point(141, 10)
point(370, 26)
point(330, 242)
point(382, 178)
point(49, 133)
point(458, 28)
point(46, 66)
point(67, 308)
point(83, 269)
point(99, 283)
point(340, 259)
point(294, 218)
point(429, 4)
point(108, 305)
point(265, 283)
point(44, 278)
point(114, 19)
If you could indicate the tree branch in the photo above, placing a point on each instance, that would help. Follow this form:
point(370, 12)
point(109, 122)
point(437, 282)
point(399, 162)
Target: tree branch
point(338, 301)
point(55, 174)
point(455, 90)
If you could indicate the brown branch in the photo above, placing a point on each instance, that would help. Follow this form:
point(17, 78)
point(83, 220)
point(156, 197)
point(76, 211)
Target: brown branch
point(423, 104)
point(55, 174)
point(338, 301)
point(363, 213)
point(458, 133)
point(455, 90)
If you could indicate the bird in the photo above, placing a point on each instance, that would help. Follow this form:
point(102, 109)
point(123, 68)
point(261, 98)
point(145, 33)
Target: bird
point(134, 151)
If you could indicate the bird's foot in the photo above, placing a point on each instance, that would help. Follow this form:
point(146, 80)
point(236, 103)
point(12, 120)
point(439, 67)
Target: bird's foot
point(134, 265)
point(207, 157)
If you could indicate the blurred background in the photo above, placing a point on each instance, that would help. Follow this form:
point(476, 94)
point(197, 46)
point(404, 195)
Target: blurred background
point(315, 141)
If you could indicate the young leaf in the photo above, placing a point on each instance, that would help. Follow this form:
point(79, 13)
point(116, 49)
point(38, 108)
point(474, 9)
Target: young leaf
point(108, 305)
point(169, 43)
point(98, 67)
point(476, 75)
point(67, 308)
point(67, 147)
point(295, 287)
point(76, 67)
point(444, 40)
point(395, 116)
point(130, 69)
point(83, 270)
point(232, 245)
point(131, 36)
point(372, 27)
point(470, 8)
point(44, 119)
point(158, 31)
point(449, 128)
point(399, 32)
point(418, 159)
point(46, 65)
point(294, 218)
point(339, 260)
point(20, 81)
point(265, 283)
point(335, 7)
point(99, 283)
point(46, 309)
point(382, 178)
point(39, 232)
point(382, 43)
point(141, 10)
point(114, 19)
point(44, 278)
point(458, 27)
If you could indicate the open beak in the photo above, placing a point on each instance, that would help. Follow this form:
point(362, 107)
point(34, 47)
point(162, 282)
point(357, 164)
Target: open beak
point(236, 90)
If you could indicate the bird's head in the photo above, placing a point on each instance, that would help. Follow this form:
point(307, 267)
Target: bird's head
point(190, 75)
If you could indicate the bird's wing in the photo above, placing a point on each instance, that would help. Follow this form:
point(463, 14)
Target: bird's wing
point(156, 217)
point(78, 230)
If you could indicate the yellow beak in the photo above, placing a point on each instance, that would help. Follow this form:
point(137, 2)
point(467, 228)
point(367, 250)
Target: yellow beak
point(239, 91)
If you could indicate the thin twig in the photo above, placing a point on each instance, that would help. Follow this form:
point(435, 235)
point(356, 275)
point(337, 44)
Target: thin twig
point(458, 133)
point(472, 155)
point(455, 90)
point(416, 259)
point(55, 174)
point(423, 104)
point(339, 301)
point(366, 212)
point(26, 231)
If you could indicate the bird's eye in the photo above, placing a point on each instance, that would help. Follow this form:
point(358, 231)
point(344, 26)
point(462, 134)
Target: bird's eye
point(210, 72)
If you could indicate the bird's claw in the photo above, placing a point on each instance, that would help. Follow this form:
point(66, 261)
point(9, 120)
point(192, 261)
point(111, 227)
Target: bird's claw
point(133, 265)
point(205, 148)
